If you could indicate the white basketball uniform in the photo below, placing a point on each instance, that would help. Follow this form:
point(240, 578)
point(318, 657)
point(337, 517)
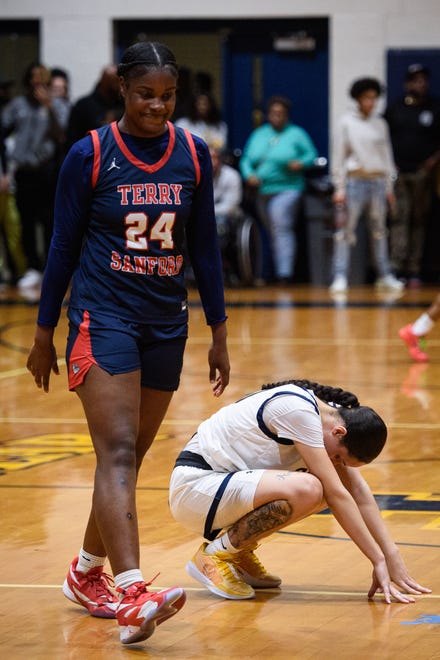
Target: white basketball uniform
point(254, 434)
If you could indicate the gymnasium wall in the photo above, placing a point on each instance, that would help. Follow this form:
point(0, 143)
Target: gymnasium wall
point(79, 35)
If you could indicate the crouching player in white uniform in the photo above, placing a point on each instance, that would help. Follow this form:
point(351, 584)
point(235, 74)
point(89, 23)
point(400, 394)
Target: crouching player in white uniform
point(269, 460)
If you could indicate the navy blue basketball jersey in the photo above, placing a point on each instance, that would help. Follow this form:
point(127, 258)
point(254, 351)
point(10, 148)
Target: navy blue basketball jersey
point(143, 191)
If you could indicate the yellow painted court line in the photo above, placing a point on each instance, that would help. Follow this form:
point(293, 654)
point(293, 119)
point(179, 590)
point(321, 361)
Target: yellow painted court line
point(308, 341)
point(75, 420)
point(303, 592)
point(20, 372)
point(168, 422)
point(41, 420)
point(12, 373)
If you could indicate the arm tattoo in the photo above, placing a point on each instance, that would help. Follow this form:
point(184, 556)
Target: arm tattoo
point(260, 522)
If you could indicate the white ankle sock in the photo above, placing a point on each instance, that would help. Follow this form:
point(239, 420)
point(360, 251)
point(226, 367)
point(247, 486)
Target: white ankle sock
point(221, 544)
point(86, 561)
point(127, 578)
point(422, 325)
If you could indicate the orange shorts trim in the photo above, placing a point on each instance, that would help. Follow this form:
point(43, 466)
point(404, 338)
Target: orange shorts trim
point(81, 356)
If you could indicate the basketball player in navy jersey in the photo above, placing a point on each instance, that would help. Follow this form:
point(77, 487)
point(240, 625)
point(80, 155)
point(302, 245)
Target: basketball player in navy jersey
point(127, 195)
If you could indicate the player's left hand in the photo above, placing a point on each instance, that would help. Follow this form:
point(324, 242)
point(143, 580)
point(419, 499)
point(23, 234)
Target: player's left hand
point(42, 359)
point(381, 583)
point(41, 362)
point(219, 368)
point(400, 576)
point(218, 359)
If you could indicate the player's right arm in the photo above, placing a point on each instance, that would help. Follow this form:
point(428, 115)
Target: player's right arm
point(71, 213)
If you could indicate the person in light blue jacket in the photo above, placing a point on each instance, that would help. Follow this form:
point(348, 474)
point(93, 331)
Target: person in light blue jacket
point(274, 159)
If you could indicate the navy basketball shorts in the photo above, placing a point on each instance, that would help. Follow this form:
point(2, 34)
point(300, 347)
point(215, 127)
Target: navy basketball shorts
point(118, 346)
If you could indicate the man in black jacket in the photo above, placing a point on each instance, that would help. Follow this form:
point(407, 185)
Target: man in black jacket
point(102, 106)
point(414, 122)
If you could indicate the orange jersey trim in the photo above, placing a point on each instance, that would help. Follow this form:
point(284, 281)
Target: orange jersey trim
point(139, 163)
point(96, 157)
point(192, 146)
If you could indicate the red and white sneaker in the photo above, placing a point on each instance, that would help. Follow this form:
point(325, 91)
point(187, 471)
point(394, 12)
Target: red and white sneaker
point(92, 590)
point(414, 343)
point(140, 610)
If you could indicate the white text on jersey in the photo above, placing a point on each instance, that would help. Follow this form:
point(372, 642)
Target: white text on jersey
point(163, 266)
point(150, 193)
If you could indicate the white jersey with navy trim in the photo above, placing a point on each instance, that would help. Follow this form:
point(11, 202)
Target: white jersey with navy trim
point(260, 431)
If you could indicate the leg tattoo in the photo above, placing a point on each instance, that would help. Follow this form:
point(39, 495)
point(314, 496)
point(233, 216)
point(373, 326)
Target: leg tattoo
point(260, 522)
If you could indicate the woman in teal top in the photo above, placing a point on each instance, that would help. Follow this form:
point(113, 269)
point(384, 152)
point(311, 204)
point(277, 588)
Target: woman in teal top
point(273, 163)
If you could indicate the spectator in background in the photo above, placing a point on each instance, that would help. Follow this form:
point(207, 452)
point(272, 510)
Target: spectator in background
point(5, 91)
point(414, 122)
point(203, 82)
point(59, 84)
point(273, 163)
point(102, 106)
point(228, 191)
point(363, 174)
point(184, 93)
point(204, 120)
point(414, 334)
point(59, 88)
point(12, 261)
point(36, 121)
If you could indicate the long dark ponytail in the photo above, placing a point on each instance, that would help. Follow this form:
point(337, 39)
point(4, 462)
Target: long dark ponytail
point(366, 431)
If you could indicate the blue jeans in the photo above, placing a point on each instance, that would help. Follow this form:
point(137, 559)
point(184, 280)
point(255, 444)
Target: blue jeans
point(279, 214)
point(363, 196)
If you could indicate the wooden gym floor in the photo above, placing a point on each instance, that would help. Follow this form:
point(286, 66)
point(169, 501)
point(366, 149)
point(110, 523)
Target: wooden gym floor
point(46, 473)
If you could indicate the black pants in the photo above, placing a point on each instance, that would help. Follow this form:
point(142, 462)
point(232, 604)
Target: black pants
point(35, 194)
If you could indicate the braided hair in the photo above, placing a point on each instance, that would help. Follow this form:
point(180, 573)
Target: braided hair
point(366, 431)
point(146, 55)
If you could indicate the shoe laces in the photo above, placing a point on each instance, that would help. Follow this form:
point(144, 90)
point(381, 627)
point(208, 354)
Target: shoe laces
point(250, 558)
point(410, 339)
point(136, 589)
point(101, 582)
point(417, 352)
point(227, 570)
point(418, 342)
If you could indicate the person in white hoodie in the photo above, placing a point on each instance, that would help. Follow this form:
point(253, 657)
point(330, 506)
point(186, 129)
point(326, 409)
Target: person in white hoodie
point(363, 173)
